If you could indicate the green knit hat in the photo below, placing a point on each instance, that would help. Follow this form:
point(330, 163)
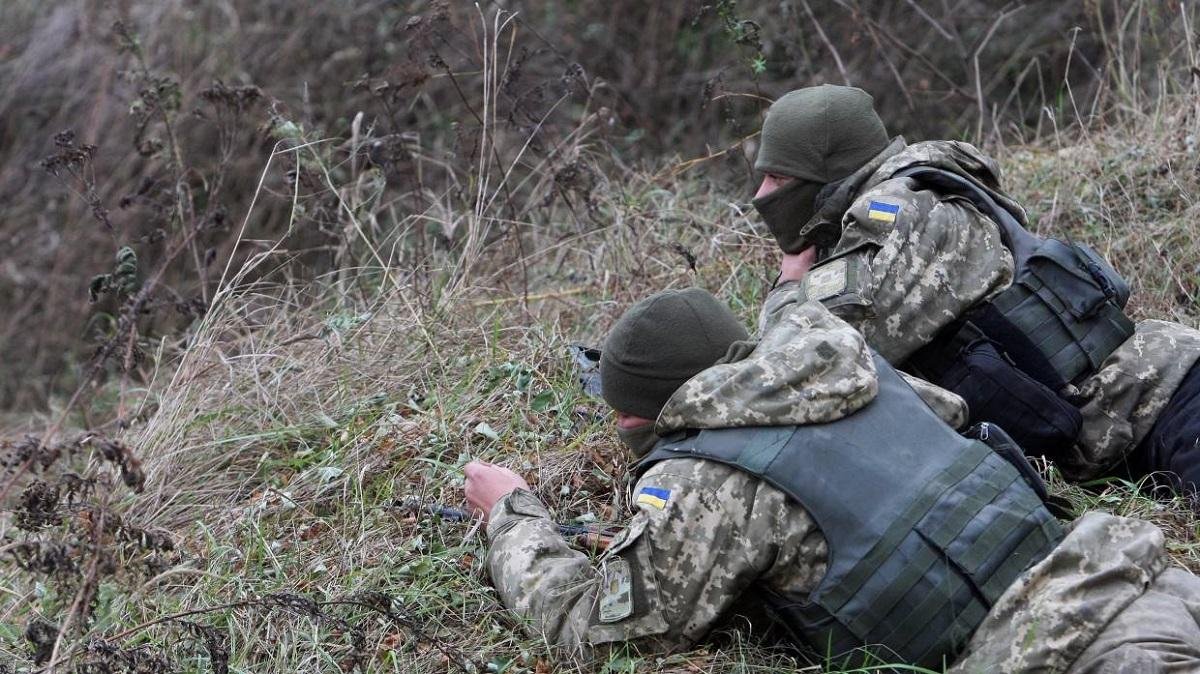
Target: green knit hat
point(820, 134)
point(660, 343)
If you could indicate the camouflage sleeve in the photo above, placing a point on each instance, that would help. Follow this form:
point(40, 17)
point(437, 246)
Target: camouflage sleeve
point(702, 535)
point(782, 296)
point(949, 406)
point(1123, 399)
point(900, 277)
point(536, 573)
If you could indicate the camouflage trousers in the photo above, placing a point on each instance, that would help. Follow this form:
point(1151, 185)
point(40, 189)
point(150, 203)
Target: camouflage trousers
point(1101, 603)
point(1158, 632)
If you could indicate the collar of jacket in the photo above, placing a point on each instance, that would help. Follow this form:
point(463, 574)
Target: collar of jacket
point(833, 201)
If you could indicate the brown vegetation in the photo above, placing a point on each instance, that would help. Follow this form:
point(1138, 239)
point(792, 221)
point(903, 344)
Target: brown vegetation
point(296, 263)
point(181, 105)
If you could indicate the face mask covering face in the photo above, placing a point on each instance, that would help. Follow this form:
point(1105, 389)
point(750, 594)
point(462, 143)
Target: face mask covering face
point(639, 440)
point(787, 210)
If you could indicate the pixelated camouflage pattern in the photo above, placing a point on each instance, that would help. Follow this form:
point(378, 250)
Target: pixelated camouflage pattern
point(1100, 602)
point(811, 367)
point(1124, 397)
point(941, 257)
point(1157, 632)
point(952, 155)
point(720, 532)
point(949, 406)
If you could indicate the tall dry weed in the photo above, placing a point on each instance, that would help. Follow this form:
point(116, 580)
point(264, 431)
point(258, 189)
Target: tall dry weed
point(398, 272)
point(689, 78)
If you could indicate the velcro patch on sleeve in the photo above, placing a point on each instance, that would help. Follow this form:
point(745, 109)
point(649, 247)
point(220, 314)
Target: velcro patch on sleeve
point(827, 280)
point(883, 211)
point(654, 497)
point(616, 597)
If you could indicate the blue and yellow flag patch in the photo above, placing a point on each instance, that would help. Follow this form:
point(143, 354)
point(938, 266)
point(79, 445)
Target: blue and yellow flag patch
point(883, 211)
point(653, 496)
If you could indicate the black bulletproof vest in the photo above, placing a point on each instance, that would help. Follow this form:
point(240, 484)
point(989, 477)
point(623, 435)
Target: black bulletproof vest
point(925, 528)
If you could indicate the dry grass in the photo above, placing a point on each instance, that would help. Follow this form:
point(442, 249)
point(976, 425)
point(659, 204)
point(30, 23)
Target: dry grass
point(297, 417)
point(277, 459)
point(279, 432)
point(687, 77)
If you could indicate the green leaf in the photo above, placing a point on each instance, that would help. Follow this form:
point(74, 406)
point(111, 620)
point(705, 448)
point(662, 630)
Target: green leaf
point(621, 664)
point(286, 130)
point(499, 665)
point(419, 568)
point(327, 473)
point(542, 401)
point(487, 431)
point(98, 286)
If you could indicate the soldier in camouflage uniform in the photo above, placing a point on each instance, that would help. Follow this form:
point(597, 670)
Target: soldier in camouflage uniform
point(706, 534)
point(901, 261)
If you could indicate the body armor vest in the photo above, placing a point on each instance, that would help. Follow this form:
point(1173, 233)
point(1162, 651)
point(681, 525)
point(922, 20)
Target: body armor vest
point(925, 528)
point(1064, 312)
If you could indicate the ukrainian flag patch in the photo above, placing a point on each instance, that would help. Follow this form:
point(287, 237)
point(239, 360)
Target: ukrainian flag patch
point(653, 496)
point(883, 211)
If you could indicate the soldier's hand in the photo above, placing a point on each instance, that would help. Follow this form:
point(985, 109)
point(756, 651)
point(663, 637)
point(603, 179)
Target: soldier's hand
point(488, 483)
point(796, 265)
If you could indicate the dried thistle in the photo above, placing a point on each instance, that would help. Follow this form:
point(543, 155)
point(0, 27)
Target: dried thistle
point(234, 100)
point(103, 657)
point(48, 558)
point(118, 454)
point(295, 603)
point(73, 164)
point(215, 643)
point(29, 452)
point(69, 157)
point(41, 635)
point(39, 507)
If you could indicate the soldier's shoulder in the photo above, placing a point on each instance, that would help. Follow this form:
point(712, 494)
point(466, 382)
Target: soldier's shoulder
point(700, 473)
point(699, 484)
point(884, 206)
point(891, 188)
point(954, 155)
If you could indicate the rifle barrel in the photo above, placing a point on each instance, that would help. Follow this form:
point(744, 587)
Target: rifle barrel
point(452, 514)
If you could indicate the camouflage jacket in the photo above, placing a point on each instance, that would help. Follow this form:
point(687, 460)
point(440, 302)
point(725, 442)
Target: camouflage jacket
point(703, 534)
point(900, 278)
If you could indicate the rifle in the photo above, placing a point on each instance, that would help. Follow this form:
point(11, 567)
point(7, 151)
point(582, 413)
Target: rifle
point(593, 535)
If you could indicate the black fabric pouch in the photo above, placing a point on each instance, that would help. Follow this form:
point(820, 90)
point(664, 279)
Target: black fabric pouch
point(1001, 443)
point(995, 391)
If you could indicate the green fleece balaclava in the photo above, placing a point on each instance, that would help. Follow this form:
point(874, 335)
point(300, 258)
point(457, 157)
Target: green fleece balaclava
point(639, 439)
point(787, 210)
point(817, 135)
point(660, 343)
